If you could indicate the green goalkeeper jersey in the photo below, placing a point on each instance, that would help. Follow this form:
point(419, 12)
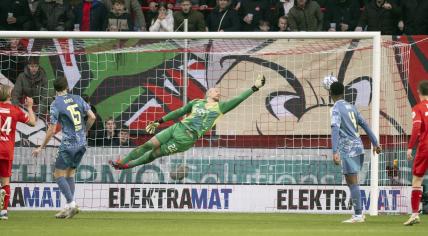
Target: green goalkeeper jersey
point(203, 116)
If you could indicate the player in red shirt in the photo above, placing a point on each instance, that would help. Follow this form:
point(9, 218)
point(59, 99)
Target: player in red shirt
point(420, 164)
point(9, 116)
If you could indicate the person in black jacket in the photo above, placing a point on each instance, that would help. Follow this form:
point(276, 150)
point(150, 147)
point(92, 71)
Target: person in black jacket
point(110, 133)
point(251, 12)
point(14, 15)
point(421, 21)
point(54, 15)
point(413, 14)
point(90, 15)
point(223, 18)
point(380, 15)
point(341, 15)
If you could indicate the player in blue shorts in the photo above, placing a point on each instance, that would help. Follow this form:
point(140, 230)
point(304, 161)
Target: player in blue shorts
point(69, 111)
point(347, 145)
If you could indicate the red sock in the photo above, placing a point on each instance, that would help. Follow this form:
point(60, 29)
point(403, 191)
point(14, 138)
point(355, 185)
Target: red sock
point(416, 199)
point(7, 197)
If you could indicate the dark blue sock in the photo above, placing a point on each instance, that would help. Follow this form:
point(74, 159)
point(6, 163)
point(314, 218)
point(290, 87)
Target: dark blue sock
point(356, 198)
point(70, 181)
point(64, 188)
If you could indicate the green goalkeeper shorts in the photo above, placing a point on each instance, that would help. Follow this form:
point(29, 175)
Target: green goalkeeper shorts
point(176, 138)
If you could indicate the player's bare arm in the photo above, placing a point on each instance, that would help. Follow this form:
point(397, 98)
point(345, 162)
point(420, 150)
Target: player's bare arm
point(49, 134)
point(31, 116)
point(91, 120)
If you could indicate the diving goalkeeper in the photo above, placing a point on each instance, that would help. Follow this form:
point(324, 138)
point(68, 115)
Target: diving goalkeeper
point(203, 115)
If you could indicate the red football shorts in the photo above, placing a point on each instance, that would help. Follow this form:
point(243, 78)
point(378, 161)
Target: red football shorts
point(5, 168)
point(420, 164)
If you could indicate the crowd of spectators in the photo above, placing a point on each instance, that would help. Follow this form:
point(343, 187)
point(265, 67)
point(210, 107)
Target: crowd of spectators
point(391, 17)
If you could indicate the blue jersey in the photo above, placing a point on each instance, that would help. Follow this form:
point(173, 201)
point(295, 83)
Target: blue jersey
point(69, 111)
point(345, 120)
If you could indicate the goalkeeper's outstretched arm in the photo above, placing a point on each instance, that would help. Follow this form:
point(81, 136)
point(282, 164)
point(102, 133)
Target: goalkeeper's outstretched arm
point(178, 112)
point(234, 102)
point(151, 127)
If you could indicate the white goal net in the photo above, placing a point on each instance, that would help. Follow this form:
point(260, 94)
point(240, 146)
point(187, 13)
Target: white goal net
point(271, 153)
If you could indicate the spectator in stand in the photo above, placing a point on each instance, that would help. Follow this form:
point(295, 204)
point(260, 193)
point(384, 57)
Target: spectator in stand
point(195, 3)
point(195, 18)
point(264, 26)
point(13, 63)
point(282, 7)
point(14, 15)
point(119, 18)
point(283, 24)
point(151, 13)
point(123, 139)
point(134, 9)
point(164, 21)
point(32, 83)
point(95, 133)
point(251, 12)
point(54, 15)
point(305, 16)
point(33, 6)
point(341, 15)
point(380, 15)
point(223, 18)
point(421, 21)
point(110, 134)
point(412, 12)
point(90, 16)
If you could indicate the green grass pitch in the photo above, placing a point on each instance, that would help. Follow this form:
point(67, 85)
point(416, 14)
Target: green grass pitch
point(30, 223)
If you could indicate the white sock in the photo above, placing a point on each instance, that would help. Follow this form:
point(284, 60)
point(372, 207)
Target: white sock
point(72, 204)
point(3, 212)
point(415, 214)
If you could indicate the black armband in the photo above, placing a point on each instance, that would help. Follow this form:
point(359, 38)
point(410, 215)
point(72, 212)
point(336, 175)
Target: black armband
point(255, 89)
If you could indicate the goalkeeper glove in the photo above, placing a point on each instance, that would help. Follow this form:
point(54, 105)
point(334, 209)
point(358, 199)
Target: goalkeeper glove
point(260, 81)
point(151, 127)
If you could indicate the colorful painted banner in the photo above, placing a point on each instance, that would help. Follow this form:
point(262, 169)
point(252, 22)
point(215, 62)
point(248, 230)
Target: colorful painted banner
point(137, 87)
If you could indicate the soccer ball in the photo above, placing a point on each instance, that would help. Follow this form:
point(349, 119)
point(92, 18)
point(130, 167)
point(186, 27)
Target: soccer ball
point(328, 80)
point(181, 172)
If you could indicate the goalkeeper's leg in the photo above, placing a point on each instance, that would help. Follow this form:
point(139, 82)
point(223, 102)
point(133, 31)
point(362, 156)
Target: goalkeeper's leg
point(180, 141)
point(169, 148)
point(146, 158)
point(150, 145)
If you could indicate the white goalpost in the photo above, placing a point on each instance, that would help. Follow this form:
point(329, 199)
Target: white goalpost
point(276, 142)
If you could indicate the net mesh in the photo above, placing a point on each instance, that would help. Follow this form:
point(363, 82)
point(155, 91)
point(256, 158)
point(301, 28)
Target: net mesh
point(278, 136)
